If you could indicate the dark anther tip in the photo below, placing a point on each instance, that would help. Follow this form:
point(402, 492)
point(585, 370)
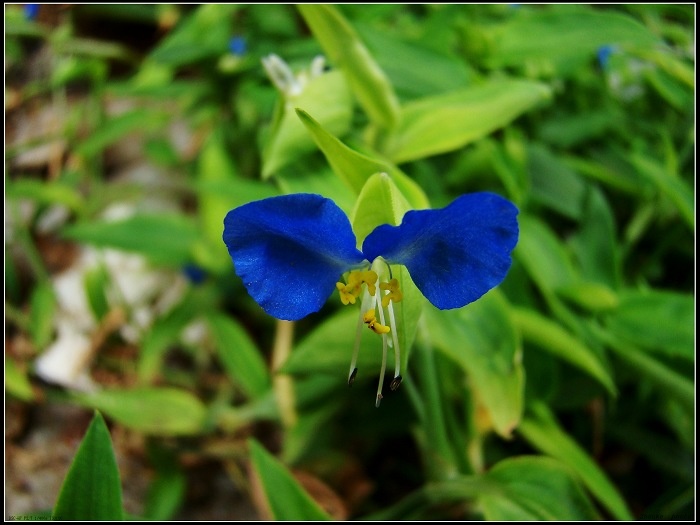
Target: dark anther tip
point(395, 383)
point(351, 379)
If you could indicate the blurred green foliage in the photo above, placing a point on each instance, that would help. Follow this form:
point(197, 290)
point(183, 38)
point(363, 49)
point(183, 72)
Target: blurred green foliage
point(567, 394)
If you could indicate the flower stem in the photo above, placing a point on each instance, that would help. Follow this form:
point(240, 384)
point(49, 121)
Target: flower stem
point(282, 383)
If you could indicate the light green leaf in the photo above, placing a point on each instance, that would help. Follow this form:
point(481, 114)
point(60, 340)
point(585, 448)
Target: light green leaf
point(679, 192)
point(531, 488)
point(328, 98)
point(16, 381)
point(482, 339)
point(203, 34)
point(593, 297)
point(542, 431)
point(452, 120)
point(92, 489)
point(285, 498)
point(45, 192)
point(97, 281)
point(43, 308)
point(156, 411)
point(344, 48)
point(554, 184)
point(239, 356)
point(548, 34)
point(115, 128)
point(355, 168)
point(660, 321)
point(551, 337)
point(164, 239)
point(543, 255)
point(214, 165)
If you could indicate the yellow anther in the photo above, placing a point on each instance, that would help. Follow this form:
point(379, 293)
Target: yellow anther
point(346, 295)
point(374, 325)
point(369, 277)
point(394, 294)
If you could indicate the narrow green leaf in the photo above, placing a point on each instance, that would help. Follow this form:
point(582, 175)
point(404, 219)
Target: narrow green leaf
point(658, 320)
point(96, 282)
point(668, 380)
point(164, 239)
point(543, 255)
point(201, 35)
point(45, 192)
point(355, 168)
point(551, 337)
point(92, 490)
point(157, 411)
point(452, 120)
point(113, 129)
point(286, 499)
point(344, 48)
point(542, 431)
point(531, 488)
point(328, 98)
point(482, 339)
point(43, 308)
point(672, 186)
point(16, 381)
point(239, 355)
point(548, 34)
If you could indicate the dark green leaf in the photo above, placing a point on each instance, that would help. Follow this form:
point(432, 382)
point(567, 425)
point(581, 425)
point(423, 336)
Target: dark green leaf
point(92, 490)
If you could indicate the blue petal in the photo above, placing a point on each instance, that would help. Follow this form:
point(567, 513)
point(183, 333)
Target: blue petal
point(455, 254)
point(290, 251)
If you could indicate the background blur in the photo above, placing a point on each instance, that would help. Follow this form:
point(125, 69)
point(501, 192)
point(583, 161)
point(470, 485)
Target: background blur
point(130, 131)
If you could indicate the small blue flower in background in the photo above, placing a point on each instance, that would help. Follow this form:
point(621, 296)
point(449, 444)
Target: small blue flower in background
point(31, 11)
point(603, 54)
point(291, 250)
point(194, 273)
point(237, 46)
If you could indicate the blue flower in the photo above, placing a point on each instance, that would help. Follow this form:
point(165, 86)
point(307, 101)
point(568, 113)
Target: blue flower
point(237, 46)
point(603, 54)
point(290, 251)
point(31, 11)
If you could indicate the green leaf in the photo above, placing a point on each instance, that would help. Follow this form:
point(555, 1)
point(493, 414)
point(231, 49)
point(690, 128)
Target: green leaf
point(672, 186)
point(285, 498)
point(45, 192)
point(593, 297)
point(156, 411)
point(43, 308)
point(660, 321)
point(328, 98)
point(96, 282)
point(239, 356)
point(16, 381)
point(355, 168)
point(450, 121)
point(344, 48)
point(201, 35)
point(482, 339)
point(595, 244)
point(554, 184)
point(543, 255)
point(529, 488)
point(542, 431)
point(164, 239)
point(548, 34)
point(551, 337)
point(667, 379)
point(92, 490)
point(113, 129)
